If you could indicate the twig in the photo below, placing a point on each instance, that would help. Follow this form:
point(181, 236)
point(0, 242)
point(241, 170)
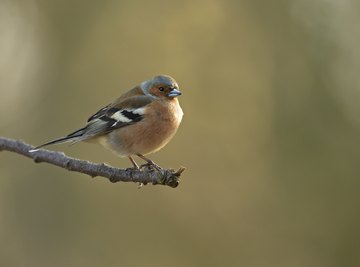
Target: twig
point(167, 177)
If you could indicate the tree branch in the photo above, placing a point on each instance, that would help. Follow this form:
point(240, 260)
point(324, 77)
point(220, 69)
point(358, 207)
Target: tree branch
point(163, 177)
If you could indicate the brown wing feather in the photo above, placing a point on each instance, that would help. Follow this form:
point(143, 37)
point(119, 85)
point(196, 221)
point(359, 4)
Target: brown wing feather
point(102, 122)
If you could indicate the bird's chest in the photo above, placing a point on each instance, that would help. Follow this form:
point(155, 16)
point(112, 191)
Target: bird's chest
point(153, 132)
point(157, 128)
point(164, 120)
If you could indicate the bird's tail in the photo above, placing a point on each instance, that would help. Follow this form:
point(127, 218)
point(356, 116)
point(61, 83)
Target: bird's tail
point(73, 137)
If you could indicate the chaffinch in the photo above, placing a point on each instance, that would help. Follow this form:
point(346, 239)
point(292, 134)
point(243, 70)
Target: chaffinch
point(139, 122)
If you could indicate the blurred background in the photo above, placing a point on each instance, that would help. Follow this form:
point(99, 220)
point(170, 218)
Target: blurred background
point(270, 136)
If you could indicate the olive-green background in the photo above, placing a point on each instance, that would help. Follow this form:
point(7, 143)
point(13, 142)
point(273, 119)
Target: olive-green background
point(270, 136)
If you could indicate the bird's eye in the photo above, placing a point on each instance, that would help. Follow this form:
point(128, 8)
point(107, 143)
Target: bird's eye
point(161, 89)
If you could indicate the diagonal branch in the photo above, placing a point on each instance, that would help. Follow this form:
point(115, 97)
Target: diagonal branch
point(164, 177)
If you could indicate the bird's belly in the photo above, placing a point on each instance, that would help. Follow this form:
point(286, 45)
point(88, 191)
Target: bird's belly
point(146, 136)
point(143, 137)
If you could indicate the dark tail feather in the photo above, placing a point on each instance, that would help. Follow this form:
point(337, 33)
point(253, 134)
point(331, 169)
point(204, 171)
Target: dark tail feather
point(73, 137)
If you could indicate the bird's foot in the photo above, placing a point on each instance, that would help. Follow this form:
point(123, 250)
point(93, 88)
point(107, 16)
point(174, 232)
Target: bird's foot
point(151, 165)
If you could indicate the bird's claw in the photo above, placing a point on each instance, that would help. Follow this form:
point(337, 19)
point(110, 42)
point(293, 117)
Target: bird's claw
point(150, 165)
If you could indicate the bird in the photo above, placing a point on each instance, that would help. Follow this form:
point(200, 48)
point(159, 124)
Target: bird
point(139, 122)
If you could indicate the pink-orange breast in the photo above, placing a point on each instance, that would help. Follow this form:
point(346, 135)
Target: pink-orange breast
point(160, 123)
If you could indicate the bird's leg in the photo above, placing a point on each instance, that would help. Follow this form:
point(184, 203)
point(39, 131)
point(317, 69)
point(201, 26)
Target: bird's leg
point(134, 163)
point(149, 162)
point(136, 167)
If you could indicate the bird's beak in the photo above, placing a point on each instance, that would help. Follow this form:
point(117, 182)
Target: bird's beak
point(174, 93)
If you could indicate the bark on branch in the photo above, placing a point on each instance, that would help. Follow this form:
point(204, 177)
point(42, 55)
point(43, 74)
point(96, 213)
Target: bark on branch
point(167, 177)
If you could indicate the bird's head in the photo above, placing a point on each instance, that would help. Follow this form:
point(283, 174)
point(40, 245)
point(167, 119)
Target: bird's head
point(161, 86)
